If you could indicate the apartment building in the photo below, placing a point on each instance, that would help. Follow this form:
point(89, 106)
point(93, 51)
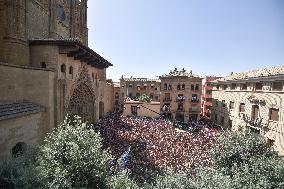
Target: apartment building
point(181, 95)
point(132, 88)
point(118, 99)
point(206, 99)
point(252, 100)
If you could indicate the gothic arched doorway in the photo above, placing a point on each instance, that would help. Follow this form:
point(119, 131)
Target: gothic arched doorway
point(101, 110)
point(82, 103)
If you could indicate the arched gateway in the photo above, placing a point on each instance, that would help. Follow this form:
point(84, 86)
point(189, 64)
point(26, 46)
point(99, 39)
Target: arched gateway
point(82, 101)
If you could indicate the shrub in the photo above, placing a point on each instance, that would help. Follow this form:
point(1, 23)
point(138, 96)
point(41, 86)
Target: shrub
point(72, 156)
point(20, 172)
point(172, 181)
point(121, 182)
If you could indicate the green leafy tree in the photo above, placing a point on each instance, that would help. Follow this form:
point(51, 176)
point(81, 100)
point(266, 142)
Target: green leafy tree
point(242, 160)
point(237, 148)
point(144, 98)
point(72, 156)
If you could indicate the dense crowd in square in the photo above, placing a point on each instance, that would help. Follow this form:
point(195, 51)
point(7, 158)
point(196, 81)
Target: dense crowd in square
point(155, 143)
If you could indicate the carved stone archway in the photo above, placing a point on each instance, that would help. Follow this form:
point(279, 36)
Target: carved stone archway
point(82, 99)
point(82, 103)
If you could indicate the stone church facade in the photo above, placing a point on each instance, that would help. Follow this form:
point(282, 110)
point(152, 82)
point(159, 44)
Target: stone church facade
point(47, 70)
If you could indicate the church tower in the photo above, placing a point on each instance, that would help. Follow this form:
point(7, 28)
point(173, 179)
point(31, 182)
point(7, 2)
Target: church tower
point(23, 20)
point(13, 32)
point(69, 20)
point(80, 30)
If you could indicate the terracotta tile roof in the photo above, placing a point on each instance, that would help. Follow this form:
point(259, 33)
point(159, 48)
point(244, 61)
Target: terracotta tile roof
point(259, 73)
point(16, 109)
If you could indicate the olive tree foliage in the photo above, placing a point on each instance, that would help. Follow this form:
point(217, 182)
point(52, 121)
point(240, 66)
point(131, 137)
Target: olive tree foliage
point(238, 148)
point(72, 156)
point(242, 160)
point(172, 180)
point(121, 181)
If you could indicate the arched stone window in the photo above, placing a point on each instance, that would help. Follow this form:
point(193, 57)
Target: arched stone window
point(71, 71)
point(96, 79)
point(178, 87)
point(43, 65)
point(60, 12)
point(165, 87)
point(63, 68)
point(19, 149)
point(183, 86)
point(255, 112)
point(116, 95)
point(101, 110)
point(93, 77)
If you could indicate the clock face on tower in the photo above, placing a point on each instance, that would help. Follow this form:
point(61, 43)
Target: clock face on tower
point(60, 12)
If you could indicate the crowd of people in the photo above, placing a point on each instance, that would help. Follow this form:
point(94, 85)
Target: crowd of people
point(155, 143)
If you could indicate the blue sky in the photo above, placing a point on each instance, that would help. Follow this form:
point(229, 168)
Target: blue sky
point(147, 38)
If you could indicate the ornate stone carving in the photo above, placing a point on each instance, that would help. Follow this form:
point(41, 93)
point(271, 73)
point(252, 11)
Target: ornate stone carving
point(82, 99)
point(254, 100)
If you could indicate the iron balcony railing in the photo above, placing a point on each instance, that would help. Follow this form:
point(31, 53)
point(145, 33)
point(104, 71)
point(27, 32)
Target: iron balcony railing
point(167, 99)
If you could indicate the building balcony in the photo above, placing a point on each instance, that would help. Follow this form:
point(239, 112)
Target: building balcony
point(180, 110)
point(167, 99)
point(165, 110)
point(169, 89)
point(208, 87)
point(180, 100)
point(194, 100)
point(208, 104)
point(207, 96)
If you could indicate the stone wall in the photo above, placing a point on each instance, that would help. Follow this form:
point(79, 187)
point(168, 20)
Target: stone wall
point(109, 97)
point(38, 21)
point(48, 54)
point(29, 84)
point(27, 129)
